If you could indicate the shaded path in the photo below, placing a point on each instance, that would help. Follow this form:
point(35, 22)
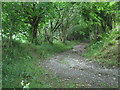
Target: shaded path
point(71, 65)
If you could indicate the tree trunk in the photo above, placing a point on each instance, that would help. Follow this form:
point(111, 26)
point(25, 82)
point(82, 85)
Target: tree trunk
point(11, 33)
point(34, 34)
point(96, 32)
point(110, 23)
point(51, 33)
point(103, 26)
point(45, 35)
point(63, 34)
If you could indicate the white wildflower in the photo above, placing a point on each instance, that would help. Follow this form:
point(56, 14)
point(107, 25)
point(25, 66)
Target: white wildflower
point(22, 83)
point(27, 85)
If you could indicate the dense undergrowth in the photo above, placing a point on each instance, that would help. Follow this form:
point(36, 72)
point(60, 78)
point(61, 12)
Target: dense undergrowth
point(105, 51)
point(18, 65)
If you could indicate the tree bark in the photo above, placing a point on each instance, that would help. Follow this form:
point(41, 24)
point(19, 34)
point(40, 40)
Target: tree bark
point(11, 33)
point(34, 34)
point(34, 24)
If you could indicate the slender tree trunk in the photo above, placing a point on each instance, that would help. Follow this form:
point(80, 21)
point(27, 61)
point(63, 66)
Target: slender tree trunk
point(51, 33)
point(45, 35)
point(63, 34)
point(11, 33)
point(60, 37)
point(103, 26)
point(63, 31)
point(111, 22)
point(95, 32)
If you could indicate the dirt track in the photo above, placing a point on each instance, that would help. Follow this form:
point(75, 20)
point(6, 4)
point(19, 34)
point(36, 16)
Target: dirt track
point(71, 65)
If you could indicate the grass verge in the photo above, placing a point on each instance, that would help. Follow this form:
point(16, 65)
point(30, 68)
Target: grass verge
point(105, 51)
point(18, 65)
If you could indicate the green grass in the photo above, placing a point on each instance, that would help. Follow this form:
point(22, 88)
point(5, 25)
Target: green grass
point(46, 49)
point(18, 65)
point(105, 51)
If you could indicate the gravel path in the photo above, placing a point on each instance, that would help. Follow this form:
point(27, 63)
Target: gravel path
point(70, 65)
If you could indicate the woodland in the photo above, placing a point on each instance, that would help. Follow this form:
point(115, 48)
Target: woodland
point(34, 32)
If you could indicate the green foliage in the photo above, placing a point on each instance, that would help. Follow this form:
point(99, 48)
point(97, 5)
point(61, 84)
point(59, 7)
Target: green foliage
point(104, 51)
point(47, 25)
point(54, 19)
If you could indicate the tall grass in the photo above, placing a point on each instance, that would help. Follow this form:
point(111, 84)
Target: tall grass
point(18, 65)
